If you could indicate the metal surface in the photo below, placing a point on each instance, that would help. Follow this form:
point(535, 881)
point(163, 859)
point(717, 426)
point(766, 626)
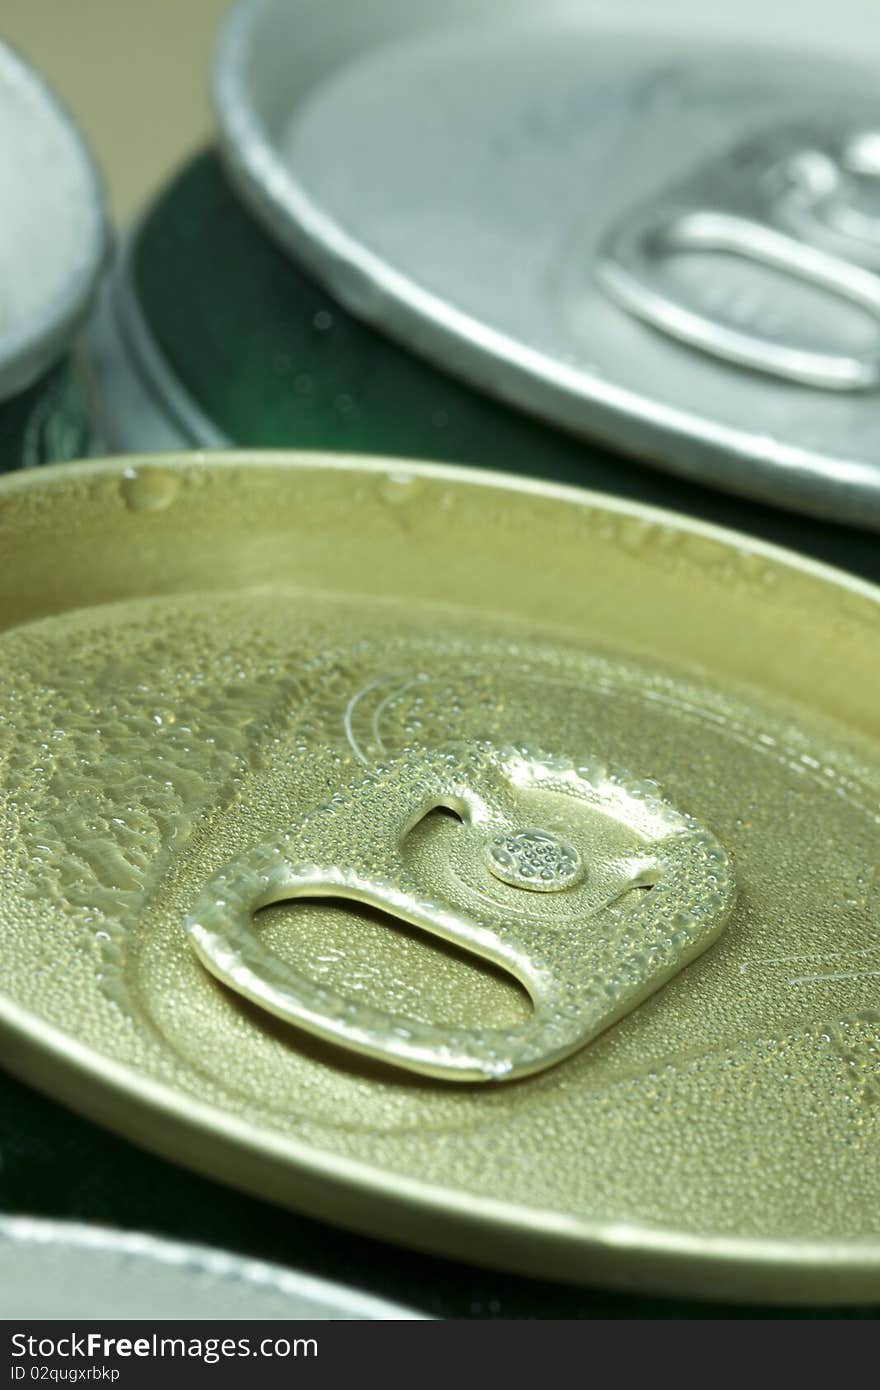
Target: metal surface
point(136, 401)
point(452, 181)
point(656, 894)
point(53, 236)
point(217, 647)
point(747, 204)
point(59, 1269)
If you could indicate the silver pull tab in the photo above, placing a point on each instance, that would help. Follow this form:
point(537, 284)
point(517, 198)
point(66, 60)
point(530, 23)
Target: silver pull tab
point(792, 203)
point(829, 192)
point(586, 886)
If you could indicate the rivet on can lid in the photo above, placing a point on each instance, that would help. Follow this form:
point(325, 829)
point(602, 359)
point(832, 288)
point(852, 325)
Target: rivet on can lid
point(535, 859)
point(584, 961)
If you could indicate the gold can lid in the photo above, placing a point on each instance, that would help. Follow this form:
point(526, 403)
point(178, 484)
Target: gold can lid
point(481, 861)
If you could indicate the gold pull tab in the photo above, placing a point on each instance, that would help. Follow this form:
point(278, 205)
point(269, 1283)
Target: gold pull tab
point(584, 884)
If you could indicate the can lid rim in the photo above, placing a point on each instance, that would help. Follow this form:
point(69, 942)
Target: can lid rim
point(799, 1270)
point(464, 475)
point(86, 1237)
point(28, 349)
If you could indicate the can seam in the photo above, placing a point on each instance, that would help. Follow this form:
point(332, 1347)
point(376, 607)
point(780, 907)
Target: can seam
point(146, 354)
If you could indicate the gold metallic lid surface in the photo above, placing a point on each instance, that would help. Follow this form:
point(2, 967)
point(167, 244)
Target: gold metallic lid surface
point(330, 788)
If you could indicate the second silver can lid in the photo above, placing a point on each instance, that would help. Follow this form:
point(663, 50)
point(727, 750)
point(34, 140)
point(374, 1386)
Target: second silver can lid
point(647, 234)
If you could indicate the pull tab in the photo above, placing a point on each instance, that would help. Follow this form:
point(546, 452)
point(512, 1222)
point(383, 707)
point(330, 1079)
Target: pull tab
point(585, 885)
point(793, 203)
point(829, 191)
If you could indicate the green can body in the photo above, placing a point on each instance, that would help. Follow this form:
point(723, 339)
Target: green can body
point(227, 341)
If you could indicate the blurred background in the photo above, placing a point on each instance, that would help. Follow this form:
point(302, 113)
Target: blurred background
point(141, 116)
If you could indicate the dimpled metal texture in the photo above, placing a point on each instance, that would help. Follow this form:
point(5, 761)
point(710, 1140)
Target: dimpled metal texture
point(584, 960)
point(535, 859)
point(196, 654)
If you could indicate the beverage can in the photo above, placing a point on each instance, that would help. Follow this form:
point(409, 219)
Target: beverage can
point(476, 862)
point(654, 229)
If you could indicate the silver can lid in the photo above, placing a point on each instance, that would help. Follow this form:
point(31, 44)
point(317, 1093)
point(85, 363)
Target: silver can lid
point(646, 233)
point(65, 1269)
point(53, 229)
